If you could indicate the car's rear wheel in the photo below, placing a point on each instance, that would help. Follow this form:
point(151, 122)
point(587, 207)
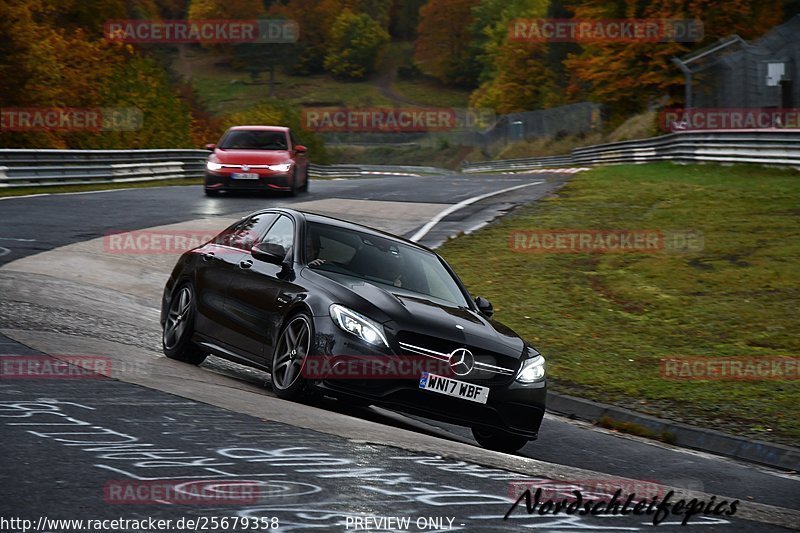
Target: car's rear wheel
point(211, 192)
point(291, 351)
point(499, 441)
point(179, 328)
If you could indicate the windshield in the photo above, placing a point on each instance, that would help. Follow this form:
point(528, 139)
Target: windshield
point(254, 140)
point(385, 262)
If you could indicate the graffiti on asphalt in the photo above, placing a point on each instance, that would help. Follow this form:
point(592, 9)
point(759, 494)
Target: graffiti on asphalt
point(308, 479)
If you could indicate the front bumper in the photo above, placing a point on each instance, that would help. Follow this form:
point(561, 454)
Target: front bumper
point(276, 181)
point(512, 407)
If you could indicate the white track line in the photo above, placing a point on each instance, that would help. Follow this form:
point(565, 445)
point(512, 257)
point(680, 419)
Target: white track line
point(97, 191)
point(453, 208)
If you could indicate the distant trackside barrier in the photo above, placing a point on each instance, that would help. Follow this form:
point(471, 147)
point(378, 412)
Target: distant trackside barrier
point(40, 168)
point(768, 147)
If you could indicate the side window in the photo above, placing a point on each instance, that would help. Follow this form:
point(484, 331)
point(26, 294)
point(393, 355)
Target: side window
point(281, 232)
point(246, 233)
point(292, 137)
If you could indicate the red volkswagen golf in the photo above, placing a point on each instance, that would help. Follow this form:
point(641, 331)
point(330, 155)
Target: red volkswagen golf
point(256, 158)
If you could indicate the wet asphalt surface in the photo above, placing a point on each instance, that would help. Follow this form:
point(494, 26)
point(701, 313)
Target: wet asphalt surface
point(62, 479)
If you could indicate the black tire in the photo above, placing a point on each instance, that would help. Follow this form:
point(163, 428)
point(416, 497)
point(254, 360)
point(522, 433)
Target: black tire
point(293, 187)
point(499, 441)
point(304, 188)
point(293, 346)
point(211, 192)
point(176, 339)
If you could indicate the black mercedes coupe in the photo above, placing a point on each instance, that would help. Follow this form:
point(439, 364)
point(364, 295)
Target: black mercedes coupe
point(333, 308)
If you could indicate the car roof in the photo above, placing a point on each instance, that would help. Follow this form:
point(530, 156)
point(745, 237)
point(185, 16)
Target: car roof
point(310, 216)
point(259, 128)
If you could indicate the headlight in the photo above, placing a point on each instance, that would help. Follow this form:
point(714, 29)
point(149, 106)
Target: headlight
point(213, 166)
point(283, 167)
point(362, 327)
point(532, 369)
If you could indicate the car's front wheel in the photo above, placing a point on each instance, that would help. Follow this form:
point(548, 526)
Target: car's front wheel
point(293, 185)
point(499, 441)
point(291, 351)
point(179, 328)
point(304, 188)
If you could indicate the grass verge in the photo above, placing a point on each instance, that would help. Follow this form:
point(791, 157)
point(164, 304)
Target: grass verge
point(605, 321)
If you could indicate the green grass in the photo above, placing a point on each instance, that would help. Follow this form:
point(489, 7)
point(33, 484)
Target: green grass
point(431, 93)
point(21, 191)
point(442, 156)
point(604, 321)
point(224, 89)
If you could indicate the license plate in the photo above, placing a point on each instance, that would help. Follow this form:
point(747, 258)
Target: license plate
point(453, 387)
point(245, 176)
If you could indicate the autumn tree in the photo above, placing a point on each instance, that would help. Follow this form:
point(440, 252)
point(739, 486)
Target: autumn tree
point(79, 14)
point(48, 64)
point(173, 9)
point(315, 19)
point(522, 81)
point(629, 75)
point(377, 10)
point(443, 37)
point(355, 44)
point(404, 18)
point(514, 75)
point(225, 9)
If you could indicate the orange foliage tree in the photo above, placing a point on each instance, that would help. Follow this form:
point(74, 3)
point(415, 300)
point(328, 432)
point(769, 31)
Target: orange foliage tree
point(629, 75)
point(443, 38)
point(48, 64)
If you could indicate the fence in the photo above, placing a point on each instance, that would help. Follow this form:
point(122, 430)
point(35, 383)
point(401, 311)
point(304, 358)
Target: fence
point(583, 117)
point(770, 147)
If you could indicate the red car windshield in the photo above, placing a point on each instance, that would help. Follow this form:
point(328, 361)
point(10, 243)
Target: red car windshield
point(254, 140)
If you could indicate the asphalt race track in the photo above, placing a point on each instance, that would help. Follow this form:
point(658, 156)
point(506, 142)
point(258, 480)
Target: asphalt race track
point(319, 467)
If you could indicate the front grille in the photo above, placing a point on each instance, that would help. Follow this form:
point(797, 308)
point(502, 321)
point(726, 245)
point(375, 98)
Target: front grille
point(490, 368)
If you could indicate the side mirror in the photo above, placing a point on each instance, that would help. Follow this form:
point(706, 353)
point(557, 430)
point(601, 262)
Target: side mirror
point(484, 306)
point(269, 252)
point(300, 149)
point(211, 147)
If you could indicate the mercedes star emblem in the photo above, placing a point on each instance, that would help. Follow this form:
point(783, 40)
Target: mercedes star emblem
point(461, 361)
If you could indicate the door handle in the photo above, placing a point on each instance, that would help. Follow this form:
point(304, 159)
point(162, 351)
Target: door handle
point(247, 263)
point(207, 256)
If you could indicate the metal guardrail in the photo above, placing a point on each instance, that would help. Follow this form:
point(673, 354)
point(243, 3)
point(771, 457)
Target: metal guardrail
point(768, 147)
point(351, 171)
point(40, 168)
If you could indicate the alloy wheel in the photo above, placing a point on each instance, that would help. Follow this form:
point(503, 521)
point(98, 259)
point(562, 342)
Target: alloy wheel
point(291, 352)
point(177, 318)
